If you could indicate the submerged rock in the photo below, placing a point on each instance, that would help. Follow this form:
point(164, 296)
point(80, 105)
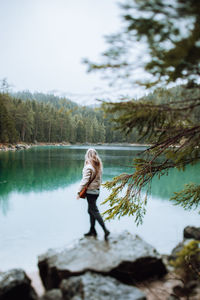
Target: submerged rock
point(97, 287)
point(15, 284)
point(126, 257)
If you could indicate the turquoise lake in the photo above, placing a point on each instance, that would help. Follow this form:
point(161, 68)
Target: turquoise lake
point(39, 210)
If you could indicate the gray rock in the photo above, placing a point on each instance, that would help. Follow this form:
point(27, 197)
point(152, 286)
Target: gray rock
point(173, 297)
point(182, 291)
point(191, 232)
point(178, 248)
point(54, 294)
point(22, 146)
point(19, 146)
point(92, 286)
point(187, 290)
point(15, 284)
point(126, 257)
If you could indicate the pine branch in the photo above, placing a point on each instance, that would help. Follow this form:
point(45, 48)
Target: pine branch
point(189, 197)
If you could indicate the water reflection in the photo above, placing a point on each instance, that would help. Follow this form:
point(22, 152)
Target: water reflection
point(49, 168)
point(37, 170)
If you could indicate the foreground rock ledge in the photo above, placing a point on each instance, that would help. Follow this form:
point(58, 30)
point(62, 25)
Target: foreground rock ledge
point(92, 286)
point(125, 256)
point(106, 288)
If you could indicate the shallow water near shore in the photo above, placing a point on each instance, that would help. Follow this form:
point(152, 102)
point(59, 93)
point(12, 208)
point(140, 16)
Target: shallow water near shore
point(39, 210)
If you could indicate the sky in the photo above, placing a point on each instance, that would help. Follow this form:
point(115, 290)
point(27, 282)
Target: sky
point(44, 41)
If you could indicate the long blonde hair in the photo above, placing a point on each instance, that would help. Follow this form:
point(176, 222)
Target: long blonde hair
point(92, 157)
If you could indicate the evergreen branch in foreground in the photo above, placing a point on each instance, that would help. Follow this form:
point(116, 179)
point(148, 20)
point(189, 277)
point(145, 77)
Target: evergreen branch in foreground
point(173, 129)
point(129, 191)
point(189, 197)
point(131, 201)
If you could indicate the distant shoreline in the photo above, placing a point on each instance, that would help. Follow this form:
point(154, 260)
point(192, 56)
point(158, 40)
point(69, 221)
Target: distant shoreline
point(22, 145)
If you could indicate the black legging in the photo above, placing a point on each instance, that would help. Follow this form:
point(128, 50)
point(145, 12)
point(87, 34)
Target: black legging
point(94, 212)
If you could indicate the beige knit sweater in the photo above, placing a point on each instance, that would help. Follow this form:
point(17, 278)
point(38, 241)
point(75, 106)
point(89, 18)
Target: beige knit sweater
point(89, 172)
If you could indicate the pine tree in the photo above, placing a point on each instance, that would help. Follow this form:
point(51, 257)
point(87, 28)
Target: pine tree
point(169, 34)
point(8, 132)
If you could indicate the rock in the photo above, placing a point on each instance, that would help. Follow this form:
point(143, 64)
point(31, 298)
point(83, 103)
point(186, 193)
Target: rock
point(191, 232)
point(15, 284)
point(7, 147)
point(92, 286)
point(4, 148)
point(182, 291)
point(186, 290)
point(177, 249)
point(173, 297)
point(196, 294)
point(126, 257)
point(192, 284)
point(22, 146)
point(19, 146)
point(54, 294)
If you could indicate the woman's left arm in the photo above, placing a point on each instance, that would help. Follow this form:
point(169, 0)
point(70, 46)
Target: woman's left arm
point(87, 173)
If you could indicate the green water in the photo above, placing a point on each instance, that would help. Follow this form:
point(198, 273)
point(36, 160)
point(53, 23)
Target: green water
point(38, 209)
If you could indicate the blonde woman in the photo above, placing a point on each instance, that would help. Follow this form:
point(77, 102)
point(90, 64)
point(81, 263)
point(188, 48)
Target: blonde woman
point(93, 171)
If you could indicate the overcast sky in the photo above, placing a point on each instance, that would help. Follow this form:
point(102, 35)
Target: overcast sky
point(44, 41)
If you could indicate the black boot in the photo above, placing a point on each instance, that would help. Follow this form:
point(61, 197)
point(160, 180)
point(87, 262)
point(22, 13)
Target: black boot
point(106, 234)
point(91, 232)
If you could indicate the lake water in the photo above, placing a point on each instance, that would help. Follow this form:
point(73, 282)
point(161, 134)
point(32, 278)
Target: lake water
point(39, 210)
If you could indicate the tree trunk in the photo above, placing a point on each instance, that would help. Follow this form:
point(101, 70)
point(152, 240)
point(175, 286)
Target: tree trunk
point(23, 132)
point(49, 132)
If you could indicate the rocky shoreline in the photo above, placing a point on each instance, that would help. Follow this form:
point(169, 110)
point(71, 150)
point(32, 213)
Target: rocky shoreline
point(125, 267)
point(23, 146)
point(14, 147)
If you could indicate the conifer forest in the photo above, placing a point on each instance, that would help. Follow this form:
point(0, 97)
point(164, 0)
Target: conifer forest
point(39, 117)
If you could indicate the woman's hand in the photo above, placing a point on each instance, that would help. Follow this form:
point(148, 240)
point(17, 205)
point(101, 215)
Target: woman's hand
point(77, 197)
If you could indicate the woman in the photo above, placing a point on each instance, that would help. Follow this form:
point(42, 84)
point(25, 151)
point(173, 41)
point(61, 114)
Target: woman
point(92, 172)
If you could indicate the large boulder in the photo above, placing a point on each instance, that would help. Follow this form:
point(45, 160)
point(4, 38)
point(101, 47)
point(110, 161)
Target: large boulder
point(191, 232)
point(126, 257)
point(97, 287)
point(15, 284)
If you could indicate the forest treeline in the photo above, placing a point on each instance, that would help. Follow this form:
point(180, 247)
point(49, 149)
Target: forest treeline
point(38, 117)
